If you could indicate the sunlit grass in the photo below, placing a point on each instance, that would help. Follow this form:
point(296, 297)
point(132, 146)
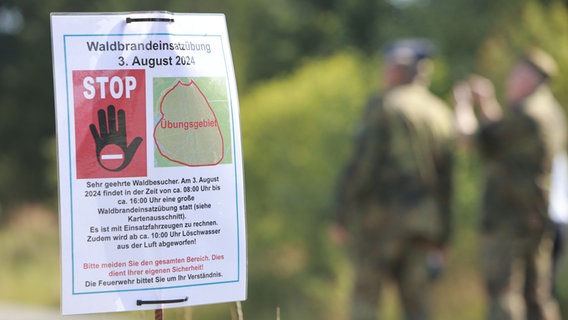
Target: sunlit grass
point(30, 275)
point(29, 255)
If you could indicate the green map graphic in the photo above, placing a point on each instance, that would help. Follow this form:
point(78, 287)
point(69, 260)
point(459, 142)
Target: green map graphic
point(191, 122)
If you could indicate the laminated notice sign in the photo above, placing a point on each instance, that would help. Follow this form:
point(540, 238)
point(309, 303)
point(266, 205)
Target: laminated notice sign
point(150, 164)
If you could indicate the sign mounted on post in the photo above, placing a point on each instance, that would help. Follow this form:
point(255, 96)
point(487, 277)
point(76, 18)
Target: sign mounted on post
point(150, 165)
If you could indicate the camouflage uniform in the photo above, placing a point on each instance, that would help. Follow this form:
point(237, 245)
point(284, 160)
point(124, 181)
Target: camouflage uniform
point(395, 197)
point(516, 229)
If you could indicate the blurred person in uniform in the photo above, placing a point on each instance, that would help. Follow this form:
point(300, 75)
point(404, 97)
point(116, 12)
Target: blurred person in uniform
point(518, 145)
point(394, 197)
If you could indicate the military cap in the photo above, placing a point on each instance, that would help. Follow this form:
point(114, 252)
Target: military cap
point(409, 51)
point(541, 61)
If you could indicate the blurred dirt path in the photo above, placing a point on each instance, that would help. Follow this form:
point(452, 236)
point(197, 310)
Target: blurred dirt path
point(9, 311)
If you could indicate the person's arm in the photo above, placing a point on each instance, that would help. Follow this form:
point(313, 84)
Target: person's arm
point(484, 95)
point(466, 120)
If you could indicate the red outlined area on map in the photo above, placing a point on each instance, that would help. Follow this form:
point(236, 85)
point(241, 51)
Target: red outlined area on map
point(191, 128)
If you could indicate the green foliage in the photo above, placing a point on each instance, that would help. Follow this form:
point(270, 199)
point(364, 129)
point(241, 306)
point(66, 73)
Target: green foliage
point(545, 26)
point(301, 95)
point(268, 38)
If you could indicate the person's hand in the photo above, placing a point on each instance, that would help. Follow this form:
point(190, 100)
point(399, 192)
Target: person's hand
point(481, 88)
point(338, 234)
point(466, 121)
point(462, 94)
point(436, 262)
point(484, 96)
point(111, 135)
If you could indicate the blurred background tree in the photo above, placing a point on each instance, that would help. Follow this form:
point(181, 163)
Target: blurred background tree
point(304, 70)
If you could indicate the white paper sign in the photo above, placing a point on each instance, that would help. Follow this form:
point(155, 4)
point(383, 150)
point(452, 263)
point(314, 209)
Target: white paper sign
point(150, 165)
point(558, 208)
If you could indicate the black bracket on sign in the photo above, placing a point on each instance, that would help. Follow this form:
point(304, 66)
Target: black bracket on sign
point(130, 20)
point(142, 302)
